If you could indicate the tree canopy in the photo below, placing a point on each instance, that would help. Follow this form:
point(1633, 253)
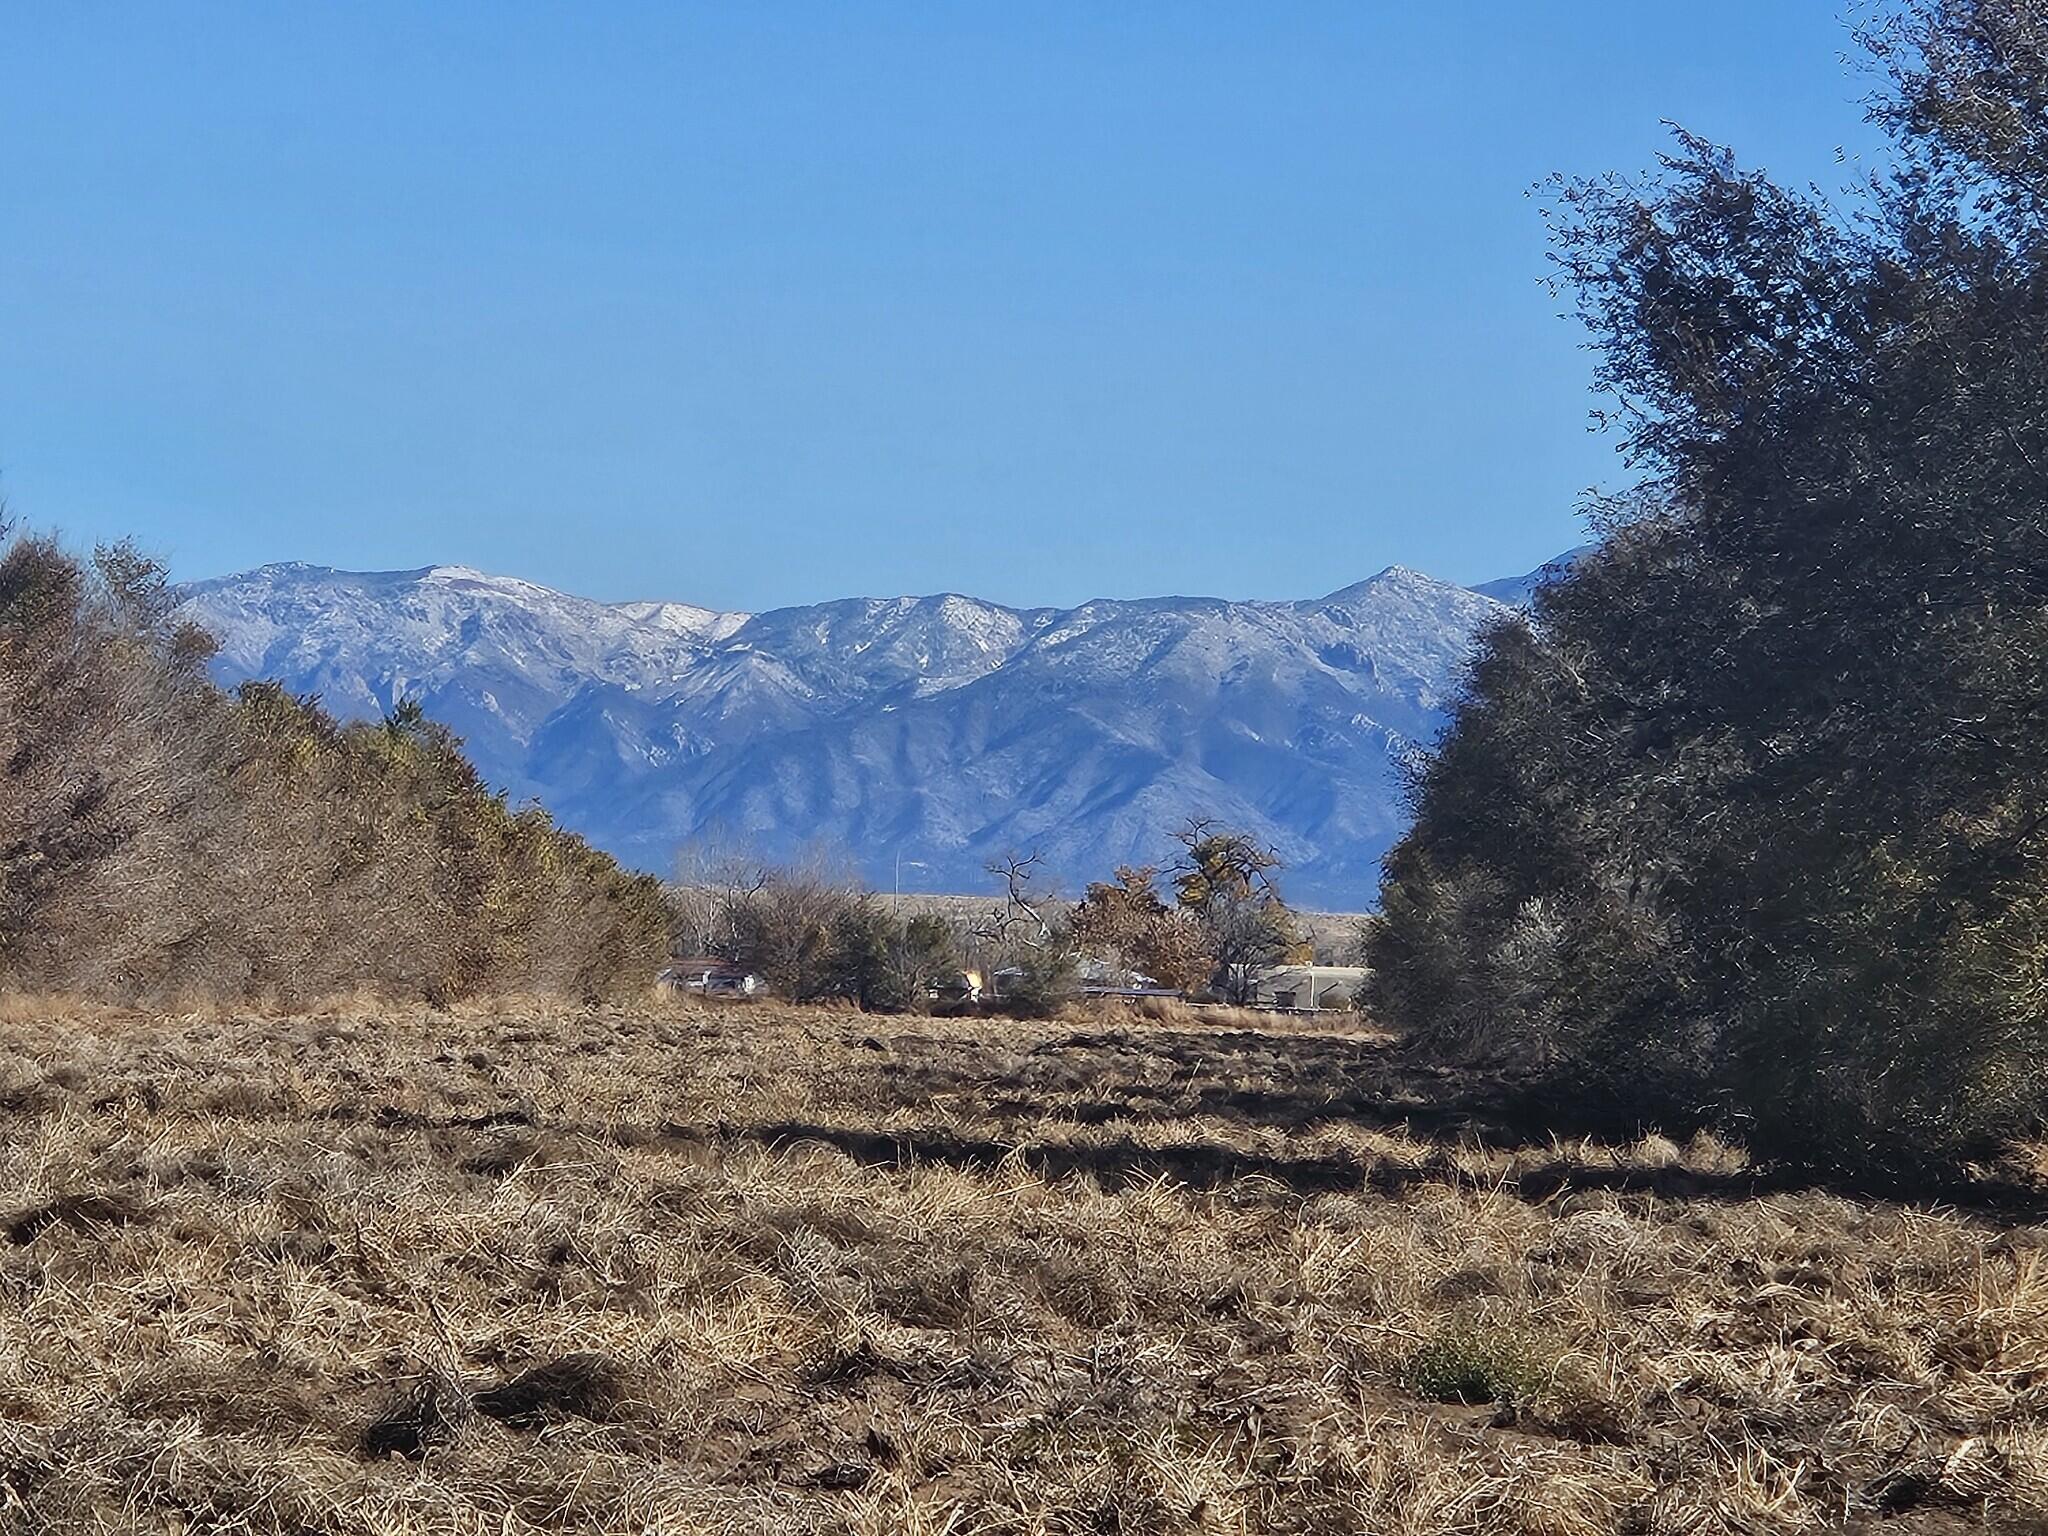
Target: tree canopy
point(160, 838)
point(1744, 824)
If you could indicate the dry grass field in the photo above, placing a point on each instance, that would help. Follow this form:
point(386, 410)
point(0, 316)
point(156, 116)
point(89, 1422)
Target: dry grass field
point(761, 1270)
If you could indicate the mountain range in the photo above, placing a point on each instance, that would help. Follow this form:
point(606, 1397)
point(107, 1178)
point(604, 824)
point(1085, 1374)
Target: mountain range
point(921, 735)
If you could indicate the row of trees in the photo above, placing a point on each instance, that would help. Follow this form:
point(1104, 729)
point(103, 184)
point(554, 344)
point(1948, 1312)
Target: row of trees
point(158, 836)
point(1746, 826)
point(814, 933)
point(161, 837)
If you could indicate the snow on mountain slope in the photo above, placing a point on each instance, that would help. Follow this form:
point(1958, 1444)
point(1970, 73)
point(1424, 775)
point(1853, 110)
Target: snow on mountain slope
point(1516, 591)
point(943, 729)
point(492, 656)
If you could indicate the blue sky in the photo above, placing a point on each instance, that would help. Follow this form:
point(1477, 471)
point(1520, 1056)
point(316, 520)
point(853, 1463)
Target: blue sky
point(759, 304)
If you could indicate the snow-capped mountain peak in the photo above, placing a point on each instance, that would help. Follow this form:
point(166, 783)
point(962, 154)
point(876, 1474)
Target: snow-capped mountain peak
point(944, 728)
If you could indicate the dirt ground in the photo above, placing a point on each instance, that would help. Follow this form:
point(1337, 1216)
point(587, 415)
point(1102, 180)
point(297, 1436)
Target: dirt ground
point(764, 1269)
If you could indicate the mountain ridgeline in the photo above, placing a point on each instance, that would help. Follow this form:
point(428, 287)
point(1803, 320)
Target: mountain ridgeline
point(920, 735)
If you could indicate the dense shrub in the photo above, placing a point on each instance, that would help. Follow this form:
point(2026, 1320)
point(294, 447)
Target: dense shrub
point(886, 962)
point(1483, 1360)
point(1040, 979)
point(158, 836)
point(1745, 826)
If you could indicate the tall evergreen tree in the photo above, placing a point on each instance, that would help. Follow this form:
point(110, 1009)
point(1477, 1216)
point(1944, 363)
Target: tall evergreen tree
point(1746, 825)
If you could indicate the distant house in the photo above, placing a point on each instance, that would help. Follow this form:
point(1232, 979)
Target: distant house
point(1308, 988)
point(708, 974)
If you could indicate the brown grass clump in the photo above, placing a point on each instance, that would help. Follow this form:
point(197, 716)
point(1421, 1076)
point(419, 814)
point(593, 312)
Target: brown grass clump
point(1218, 1018)
point(768, 1269)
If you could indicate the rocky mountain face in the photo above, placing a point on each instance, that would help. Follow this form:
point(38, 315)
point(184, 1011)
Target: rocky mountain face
point(934, 732)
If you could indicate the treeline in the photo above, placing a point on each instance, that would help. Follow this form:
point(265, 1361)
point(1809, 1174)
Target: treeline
point(159, 837)
point(814, 933)
point(1748, 825)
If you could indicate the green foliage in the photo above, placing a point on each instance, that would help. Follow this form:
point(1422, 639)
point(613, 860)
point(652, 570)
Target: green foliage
point(883, 963)
point(1743, 826)
point(1480, 1360)
point(1043, 977)
point(859, 967)
point(157, 836)
point(1225, 883)
point(814, 934)
point(927, 953)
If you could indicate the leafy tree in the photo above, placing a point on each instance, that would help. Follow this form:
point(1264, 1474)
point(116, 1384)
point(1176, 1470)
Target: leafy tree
point(1224, 882)
point(1125, 920)
point(883, 963)
point(923, 954)
point(1041, 977)
point(1744, 825)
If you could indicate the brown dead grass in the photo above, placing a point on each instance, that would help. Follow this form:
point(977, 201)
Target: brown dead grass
point(765, 1269)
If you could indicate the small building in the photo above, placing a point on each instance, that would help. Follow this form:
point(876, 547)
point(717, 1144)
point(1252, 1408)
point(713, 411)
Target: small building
point(710, 975)
point(1308, 988)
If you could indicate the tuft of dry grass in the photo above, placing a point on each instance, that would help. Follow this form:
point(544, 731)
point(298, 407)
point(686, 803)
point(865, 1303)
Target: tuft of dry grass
point(1213, 1017)
point(692, 1268)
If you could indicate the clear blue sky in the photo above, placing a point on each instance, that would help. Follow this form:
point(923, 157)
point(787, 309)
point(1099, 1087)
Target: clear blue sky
point(758, 304)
